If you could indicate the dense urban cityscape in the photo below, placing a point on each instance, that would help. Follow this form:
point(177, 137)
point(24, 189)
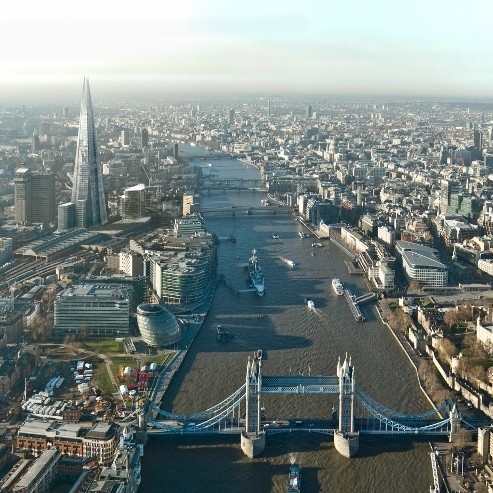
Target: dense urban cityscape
point(108, 271)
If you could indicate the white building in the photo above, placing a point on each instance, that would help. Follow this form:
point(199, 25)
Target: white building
point(422, 264)
point(486, 265)
point(484, 334)
point(386, 234)
point(386, 275)
point(132, 263)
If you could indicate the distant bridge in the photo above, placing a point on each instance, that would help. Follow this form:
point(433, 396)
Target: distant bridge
point(211, 183)
point(249, 210)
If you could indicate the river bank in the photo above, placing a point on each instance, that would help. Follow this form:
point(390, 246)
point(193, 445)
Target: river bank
point(293, 339)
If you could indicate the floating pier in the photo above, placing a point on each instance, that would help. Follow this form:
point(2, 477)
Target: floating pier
point(353, 305)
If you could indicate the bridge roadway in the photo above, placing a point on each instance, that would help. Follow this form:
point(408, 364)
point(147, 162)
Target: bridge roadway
point(366, 426)
point(300, 384)
point(249, 209)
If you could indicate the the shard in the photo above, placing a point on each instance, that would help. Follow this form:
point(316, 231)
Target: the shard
point(87, 191)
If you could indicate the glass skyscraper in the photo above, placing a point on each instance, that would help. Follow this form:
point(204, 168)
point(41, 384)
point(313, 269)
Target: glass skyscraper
point(87, 191)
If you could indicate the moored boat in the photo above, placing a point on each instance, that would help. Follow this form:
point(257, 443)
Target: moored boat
point(311, 304)
point(223, 336)
point(294, 485)
point(275, 236)
point(337, 287)
point(256, 274)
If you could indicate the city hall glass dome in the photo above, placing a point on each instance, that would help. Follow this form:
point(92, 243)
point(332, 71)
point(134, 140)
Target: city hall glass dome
point(157, 325)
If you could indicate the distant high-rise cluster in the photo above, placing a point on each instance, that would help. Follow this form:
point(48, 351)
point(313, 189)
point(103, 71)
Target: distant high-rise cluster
point(87, 191)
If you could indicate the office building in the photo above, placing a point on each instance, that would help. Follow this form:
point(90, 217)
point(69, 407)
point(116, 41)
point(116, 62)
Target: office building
point(95, 310)
point(43, 209)
point(66, 217)
point(131, 263)
point(133, 204)
point(35, 145)
point(190, 225)
point(33, 476)
point(87, 190)
point(22, 200)
point(421, 264)
point(5, 250)
point(137, 284)
point(158, 326)
point(231, 116)
point(182, 277)
point(144, 138)
point(191, 204)
point(98, 441)
point(34, 200)
point(124, 138)
point(309, 112)
point(478, 141)
point(447, 189)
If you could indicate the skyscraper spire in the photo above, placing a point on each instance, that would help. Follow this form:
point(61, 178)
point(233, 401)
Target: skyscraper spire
point(87, 191)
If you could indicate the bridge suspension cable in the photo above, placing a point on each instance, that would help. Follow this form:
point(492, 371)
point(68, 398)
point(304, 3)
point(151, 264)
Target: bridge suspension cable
point(238, 395)
point(374, 407)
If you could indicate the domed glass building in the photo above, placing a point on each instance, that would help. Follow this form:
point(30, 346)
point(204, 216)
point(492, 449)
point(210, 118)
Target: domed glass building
point(157, 325)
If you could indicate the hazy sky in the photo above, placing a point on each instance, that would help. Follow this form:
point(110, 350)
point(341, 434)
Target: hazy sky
point(437, 48)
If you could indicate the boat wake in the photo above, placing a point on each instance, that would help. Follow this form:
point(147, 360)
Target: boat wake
point(287, 261)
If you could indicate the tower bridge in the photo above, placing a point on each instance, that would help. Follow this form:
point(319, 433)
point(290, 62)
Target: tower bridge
point(358, 413)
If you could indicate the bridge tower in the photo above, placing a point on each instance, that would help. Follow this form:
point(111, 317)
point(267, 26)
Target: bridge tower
point(346, 440)
point(253, 437)
point(455, 424)
point(141, 432)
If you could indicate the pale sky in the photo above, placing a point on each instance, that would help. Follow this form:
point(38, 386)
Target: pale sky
point(434, 48)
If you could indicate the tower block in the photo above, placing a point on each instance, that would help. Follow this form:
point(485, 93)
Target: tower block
point(253, 437)
point(346, 440)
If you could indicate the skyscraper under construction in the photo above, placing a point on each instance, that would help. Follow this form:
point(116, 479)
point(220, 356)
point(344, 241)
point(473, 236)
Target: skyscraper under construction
point(87, 191)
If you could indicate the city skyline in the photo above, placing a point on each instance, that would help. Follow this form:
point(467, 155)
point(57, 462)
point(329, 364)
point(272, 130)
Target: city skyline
point(353, 48)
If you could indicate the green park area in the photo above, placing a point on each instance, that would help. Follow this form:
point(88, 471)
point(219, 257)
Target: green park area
point(118, 361)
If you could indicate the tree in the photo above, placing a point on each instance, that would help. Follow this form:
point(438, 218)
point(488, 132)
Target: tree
point(463, 438)
point(42, 327)
point(414, 286)
point(447, 350)
point(85, 331)
point(450, 318)
point(478, 374)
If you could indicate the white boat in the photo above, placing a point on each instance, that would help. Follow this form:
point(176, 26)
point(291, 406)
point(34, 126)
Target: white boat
point(256, 274)
point(275, 236)
point(289, 262)
point(337, 287)
point(310, 305)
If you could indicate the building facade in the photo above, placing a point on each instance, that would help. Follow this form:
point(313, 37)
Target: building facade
point(98, 441)
point(34, 200)
point(133, 205)
point(158, 326)
point(96, 310)
point(421, 264)
point(87, 191)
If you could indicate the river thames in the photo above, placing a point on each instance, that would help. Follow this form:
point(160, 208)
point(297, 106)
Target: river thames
point(293, 340)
